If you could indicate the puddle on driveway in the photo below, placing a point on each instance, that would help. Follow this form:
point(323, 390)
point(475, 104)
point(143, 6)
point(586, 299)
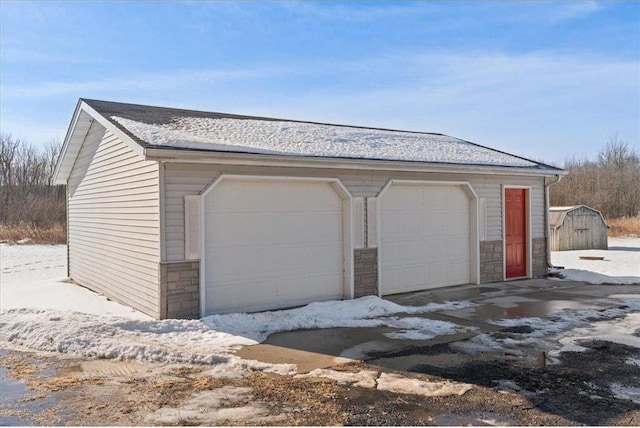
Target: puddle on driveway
point(444, 294)
point(17, 404)
point(520, 307)
point(11, 391)
point(442, 357)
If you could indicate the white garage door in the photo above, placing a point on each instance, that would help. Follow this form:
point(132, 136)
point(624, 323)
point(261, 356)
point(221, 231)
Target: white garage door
point(271, 244)
point(424, 237)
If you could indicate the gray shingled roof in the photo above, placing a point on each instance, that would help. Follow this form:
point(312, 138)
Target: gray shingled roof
point(180, 129)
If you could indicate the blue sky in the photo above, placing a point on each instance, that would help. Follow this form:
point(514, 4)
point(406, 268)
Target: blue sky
point(546, 80)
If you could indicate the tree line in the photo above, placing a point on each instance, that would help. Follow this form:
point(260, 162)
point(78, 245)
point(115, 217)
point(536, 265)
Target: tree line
point(27, 193)
point(610, 183)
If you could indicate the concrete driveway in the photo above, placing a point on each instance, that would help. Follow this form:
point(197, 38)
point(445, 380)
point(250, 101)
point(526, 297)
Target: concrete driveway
point(321, 348)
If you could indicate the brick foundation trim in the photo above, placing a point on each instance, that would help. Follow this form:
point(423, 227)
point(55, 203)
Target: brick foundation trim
point(365, 272)
point(491, 261)
point(539, 256)
point(180, 290)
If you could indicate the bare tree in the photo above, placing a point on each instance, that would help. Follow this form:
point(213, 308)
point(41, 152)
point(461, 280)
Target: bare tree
point(26, 184)
point(8, 150)
point(610, 184)
point(619, 168)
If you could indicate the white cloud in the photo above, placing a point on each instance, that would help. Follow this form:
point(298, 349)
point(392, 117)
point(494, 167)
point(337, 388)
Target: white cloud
point(574, 9)
point(354, 12)
point(161, 81)
point(531, 104)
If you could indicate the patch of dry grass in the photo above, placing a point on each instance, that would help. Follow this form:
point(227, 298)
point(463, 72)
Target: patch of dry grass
point(628, 226)
point(38, 235)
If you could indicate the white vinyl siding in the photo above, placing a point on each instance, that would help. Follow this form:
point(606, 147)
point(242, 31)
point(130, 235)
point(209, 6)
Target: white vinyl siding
point(178, 183)
point(191, 179)
point(114, 241)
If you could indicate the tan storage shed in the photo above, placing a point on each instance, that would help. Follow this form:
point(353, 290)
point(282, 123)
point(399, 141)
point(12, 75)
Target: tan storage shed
point(577, 228)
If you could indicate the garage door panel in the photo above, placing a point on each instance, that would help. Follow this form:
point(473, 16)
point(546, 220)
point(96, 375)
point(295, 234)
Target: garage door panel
point(435, 223)
point(412, 250)
point(394, 222)
point(442, 195)
point(262, 297)
point(456, 196)
point(273, 243)
point(425, 232)
point(245, 263)
point(411, 222)
point(411, 198)
point(255, 227)
point(229, 293)
point(434, 250)
point(267, 196)
point(458, 221)
point(458, 273)
point(390, 277)
point(439, 274)
point(390, 252)
point(457, 248)
point(413, 276)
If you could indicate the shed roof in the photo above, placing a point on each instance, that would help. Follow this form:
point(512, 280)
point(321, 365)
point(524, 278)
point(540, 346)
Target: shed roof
point(162, 128)
point(558, 214)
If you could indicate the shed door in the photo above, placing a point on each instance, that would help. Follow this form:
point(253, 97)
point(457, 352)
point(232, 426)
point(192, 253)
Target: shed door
point(271, 244)
point(425, 240)
point(515, 233)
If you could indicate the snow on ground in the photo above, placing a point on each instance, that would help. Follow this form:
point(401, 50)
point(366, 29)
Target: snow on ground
point(311, 139)
point(391, 382)
point(33, 276)
point(227, 405)
point(369, 311)
point(397, 383)
point(362, 379)
point(40, 312)
point(626, 392)
point(621, 264)
point(206, 341)
point(562, 331)
point(624, 331)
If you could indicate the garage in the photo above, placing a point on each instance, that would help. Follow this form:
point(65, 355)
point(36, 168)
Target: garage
point(273, 243)
point(425, 236)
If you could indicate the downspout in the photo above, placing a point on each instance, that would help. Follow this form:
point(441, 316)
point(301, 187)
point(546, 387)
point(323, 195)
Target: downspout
point(67, 194)
point(546, 216)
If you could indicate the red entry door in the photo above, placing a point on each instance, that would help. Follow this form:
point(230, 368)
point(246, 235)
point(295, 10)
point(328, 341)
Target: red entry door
point(516, 232)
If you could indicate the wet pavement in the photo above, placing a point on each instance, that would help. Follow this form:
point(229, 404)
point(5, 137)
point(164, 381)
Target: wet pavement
point(311, 349)
point(11, 391)
point(18, 404)
point(509, 388)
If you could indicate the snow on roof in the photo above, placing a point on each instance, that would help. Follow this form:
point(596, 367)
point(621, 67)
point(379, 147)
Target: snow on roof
point(309, 139)
point(196, 130)
point(568, 208)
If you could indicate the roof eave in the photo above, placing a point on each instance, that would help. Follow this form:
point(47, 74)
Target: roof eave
point(60, 173)
point(250, 159)
point(83, 117)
